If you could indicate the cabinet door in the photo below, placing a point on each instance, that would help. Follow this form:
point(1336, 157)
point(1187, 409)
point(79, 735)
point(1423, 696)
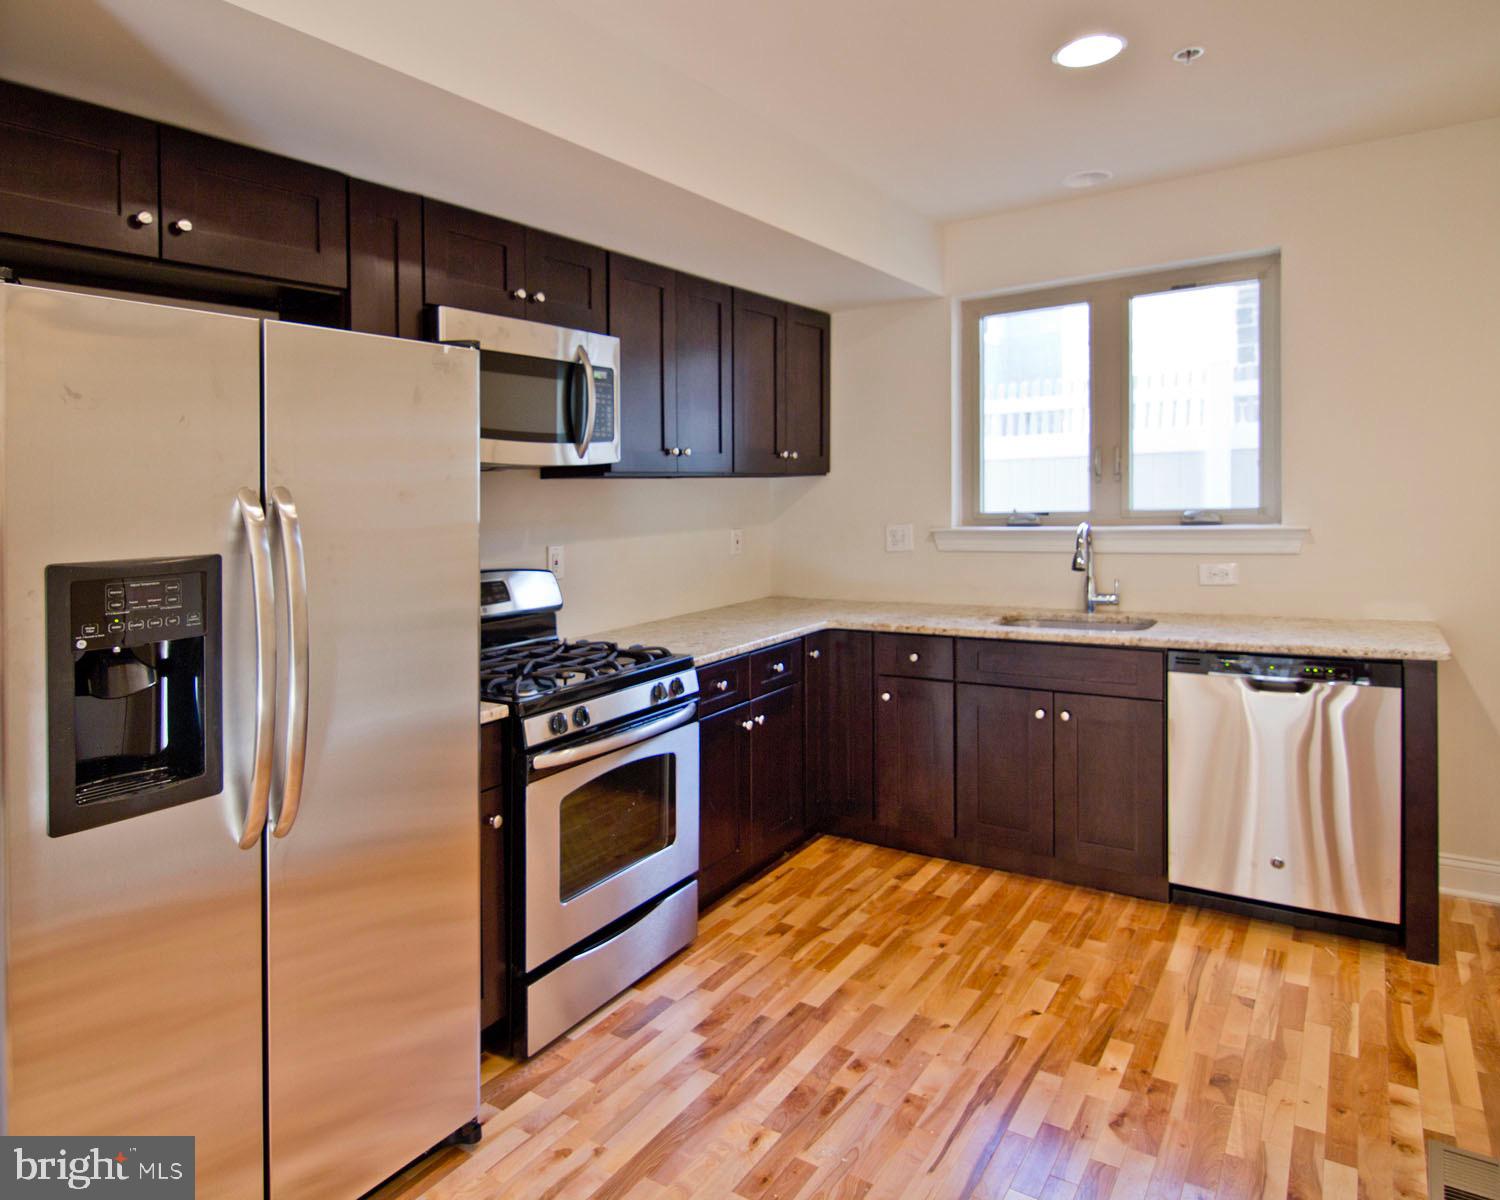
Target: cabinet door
point(776, 774)
point(1110, 802)
point(840, 731)
point(805, 404)
point(566, 282)
point(76, 173)
point(643, 315)
point(724, 743)
point(244, 210)
point(385, 260)
point(473, 261)
point(759, 384)
point(492, 943)
point(1005, 768)
point(705, 376)
point(914, 755)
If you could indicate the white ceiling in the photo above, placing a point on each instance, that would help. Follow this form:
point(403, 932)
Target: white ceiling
point(954, 108)
point(807, 148)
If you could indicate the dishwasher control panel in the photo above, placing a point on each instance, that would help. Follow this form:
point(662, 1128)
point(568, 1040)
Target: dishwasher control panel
point(1270, 667)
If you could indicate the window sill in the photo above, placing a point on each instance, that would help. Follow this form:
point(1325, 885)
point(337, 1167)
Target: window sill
point(1126, 539)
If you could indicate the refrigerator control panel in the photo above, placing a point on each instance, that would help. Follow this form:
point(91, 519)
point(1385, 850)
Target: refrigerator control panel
point(136, 611)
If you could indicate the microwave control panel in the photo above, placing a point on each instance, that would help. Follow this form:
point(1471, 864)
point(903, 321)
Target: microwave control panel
point(136, 611)
point(604, 411)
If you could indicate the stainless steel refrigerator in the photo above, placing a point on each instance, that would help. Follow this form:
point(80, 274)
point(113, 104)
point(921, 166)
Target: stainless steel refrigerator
point(239, 738)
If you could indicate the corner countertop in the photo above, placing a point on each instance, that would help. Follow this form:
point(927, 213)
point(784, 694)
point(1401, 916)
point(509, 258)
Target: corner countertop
point(489, 711)
point(719, 633)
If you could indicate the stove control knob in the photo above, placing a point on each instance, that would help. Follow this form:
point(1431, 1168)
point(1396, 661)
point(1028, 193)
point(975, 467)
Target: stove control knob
point(558, 723)
point(580, 717)
point(678, 687)
point(658, 693)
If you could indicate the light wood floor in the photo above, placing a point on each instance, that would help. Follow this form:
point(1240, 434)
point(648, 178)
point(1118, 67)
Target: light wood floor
point(864, 1023)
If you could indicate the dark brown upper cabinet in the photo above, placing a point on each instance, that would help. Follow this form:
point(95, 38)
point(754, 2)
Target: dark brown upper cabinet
point(805, 403)
point(566, 282)
point(487, 264)
point(76, 173)
point(705, 377)
point(643, 315)
point(474, 260)
point(781, 388)
point(254, 213)
point(385, 260)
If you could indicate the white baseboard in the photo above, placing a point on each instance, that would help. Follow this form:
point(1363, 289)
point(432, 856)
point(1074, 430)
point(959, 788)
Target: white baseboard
point(1471, 878)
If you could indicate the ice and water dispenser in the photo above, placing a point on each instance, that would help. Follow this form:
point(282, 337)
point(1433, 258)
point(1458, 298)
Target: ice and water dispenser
point(133, 688)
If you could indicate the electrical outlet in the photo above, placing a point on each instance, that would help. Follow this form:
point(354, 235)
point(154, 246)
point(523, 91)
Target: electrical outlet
point(1218, 574)
point(898, 539)
point(736, 541)
point(555, 560)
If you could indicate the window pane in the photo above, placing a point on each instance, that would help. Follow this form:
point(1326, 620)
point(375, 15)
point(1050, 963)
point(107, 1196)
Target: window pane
point(1195, 398)
point(1034, 410)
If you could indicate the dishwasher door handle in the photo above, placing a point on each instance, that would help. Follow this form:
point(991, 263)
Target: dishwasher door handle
point(1259, 683)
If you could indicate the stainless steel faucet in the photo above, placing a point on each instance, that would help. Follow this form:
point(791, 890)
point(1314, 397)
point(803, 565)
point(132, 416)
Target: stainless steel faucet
point(1083, 560)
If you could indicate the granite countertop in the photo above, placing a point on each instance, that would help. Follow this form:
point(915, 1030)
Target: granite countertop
point(489, 711)
point(719, 633)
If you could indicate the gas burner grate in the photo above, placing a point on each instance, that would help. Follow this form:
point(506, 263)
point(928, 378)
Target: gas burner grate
point(521, 672)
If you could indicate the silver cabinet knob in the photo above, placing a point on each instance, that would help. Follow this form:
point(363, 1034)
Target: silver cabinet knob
point(784, 454)
point(722, 685)
point(495, 822)
point(886, 696)
point(795, 454)
point(747, 726)
point(181, 225)
point(1065, 715)
point(539, 297)
point(1278, 863)
point(142, 218)
point(687, 452)
point(675, 451)
point(1040, 714)
point(814, 654)
point(913, 657)
point(519, 294)
point(761, 720)
point(778, 668)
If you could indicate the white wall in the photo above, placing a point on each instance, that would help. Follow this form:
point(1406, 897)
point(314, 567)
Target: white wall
point(1391, 412)
point(636, 549)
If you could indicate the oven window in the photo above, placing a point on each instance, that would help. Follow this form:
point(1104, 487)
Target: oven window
point(526, 399)
point(617, 820)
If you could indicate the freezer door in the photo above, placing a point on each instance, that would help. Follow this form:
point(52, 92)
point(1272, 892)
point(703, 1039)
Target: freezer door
point(373, 885)
point(132, 950)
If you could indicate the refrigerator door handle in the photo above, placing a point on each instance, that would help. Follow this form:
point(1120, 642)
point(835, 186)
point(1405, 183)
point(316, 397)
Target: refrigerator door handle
point(294, 564)
point(258, 537)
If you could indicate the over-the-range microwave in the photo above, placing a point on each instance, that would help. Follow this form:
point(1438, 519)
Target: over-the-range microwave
point(548, 396)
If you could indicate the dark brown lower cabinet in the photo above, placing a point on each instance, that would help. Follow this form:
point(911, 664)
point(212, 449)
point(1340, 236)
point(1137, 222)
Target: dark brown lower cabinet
point(1005, 769)
point(914, 757)
point(751, 789)
point(1108, 788)
point(492, 947)
point(839, 677)
point(723, 799)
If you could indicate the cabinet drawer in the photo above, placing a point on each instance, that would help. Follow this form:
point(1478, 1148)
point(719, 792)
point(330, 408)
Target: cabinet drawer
point(1095, 670)
point(776, 667)
point(915, 655)
point(723, 684)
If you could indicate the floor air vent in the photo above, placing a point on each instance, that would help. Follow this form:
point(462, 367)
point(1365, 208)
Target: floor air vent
point(1458, 1175)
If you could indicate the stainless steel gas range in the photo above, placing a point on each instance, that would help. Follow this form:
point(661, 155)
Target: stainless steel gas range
point(600, 766)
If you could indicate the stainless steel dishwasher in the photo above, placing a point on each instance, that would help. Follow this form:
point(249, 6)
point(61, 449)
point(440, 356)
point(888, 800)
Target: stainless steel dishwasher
point(1284, 781)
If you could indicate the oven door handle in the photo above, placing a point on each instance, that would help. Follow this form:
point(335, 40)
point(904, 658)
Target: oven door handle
point(548, 759)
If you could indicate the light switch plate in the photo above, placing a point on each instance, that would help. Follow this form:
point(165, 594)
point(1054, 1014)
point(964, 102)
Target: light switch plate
point(555, 560)
point(898, 539)
point(1218, 574)
point(736, 541)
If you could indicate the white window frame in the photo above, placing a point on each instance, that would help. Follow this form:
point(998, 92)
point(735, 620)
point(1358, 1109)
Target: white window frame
point(1109, 392)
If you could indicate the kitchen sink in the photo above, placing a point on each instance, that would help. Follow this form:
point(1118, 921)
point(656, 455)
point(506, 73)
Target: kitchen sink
point(1102, 621)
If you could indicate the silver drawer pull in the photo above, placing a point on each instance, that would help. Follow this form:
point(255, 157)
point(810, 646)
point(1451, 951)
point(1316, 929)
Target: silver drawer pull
point(494, 822)
point(747, 726)
point(1040, 714)
point(761, 720)
point(886, 696)
point(1065, 715)
point(143, 218)
point(181, 226)
point(814, 654)
point(722, 685)
point(913, 657)
point(778, 667)
point(519, 294)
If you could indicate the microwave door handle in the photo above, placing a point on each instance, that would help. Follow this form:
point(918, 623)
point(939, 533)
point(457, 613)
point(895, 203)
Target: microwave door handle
point(548, 759)
point(593, 394)
point(257, 535)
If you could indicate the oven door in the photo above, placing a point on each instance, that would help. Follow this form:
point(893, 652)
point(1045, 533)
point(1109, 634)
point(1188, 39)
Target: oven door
point(547, 395)
point(610, 831)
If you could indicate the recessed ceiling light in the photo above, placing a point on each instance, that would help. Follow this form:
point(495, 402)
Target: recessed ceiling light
point(1188, 54)
point(1089, 51)
point(1087, 179)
